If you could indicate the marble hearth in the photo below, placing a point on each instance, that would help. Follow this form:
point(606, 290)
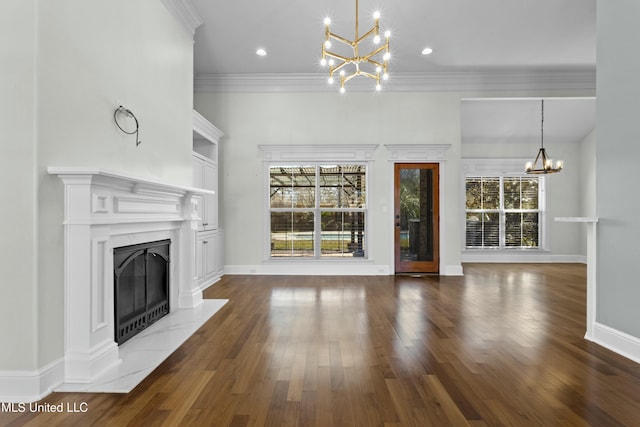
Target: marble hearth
point(105, 210)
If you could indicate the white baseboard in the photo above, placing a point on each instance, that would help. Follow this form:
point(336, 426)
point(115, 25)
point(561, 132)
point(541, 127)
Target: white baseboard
point(31, 386)
point(324, 269)
point(452, 270)
point(190, 298)
point(311, 269)
point(619, 342)
point(520, 257)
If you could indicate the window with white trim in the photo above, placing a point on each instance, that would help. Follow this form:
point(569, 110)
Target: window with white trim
point(503, 212)
point(318, 210)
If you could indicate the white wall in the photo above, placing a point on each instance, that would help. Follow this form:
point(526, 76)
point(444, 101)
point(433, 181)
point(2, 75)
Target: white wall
point(563, 190)
point(87, 58)
point(251, 119)
point(617, 154)
point(587, 182)
point(321, 118)
point(18, 259)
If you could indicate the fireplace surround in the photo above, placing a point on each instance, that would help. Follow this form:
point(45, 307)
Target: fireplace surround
point(104, 210)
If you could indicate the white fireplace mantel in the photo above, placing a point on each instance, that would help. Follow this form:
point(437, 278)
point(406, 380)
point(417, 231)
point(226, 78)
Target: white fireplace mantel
point(135, 183)
point(104, 209)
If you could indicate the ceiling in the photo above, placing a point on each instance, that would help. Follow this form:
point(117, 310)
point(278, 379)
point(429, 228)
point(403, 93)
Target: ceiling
point(501, 120)
point(465, 35)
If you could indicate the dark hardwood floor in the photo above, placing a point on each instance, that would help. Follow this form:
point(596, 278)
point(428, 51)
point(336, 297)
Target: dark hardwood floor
point(502, 345)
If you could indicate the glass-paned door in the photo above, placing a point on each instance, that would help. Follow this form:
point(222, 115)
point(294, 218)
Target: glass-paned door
point(416, 218)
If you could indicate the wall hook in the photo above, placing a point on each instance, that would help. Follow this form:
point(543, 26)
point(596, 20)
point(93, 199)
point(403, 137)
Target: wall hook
point(124, 112)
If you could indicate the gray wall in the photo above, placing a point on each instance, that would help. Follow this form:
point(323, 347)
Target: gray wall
point(618, 156)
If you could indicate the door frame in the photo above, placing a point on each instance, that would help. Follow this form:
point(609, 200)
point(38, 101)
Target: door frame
point(433, 166)
point(420, 153)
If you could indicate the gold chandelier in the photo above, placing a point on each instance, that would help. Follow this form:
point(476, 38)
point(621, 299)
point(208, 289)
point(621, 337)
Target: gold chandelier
point(546, 164)
point(351, 64)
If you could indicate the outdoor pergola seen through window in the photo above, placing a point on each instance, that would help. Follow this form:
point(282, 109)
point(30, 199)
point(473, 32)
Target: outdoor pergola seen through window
point(318, 210)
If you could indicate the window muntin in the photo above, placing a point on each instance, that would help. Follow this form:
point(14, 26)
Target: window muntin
point(318, 211)
point(503, 212)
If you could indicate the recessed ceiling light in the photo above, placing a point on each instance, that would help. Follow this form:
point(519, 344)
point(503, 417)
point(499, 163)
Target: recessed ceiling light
point(261, 52)
point(427, 51)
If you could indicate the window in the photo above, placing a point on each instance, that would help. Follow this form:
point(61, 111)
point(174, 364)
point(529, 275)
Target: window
point(503, 212)
point(318, 210)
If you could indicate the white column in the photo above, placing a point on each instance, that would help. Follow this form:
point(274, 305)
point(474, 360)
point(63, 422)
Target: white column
point(591, 269)
point(190, 294)
point(89, 344)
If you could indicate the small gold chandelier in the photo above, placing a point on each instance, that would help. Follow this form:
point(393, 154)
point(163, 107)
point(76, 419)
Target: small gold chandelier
point(369, 65)
point(546, 164)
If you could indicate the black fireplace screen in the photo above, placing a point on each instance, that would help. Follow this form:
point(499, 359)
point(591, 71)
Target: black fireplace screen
point(141, 280)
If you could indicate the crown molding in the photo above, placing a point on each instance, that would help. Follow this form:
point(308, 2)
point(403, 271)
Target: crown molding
point(205, 128)
point(487, 166)
point(318, 152)
point(441, 81)
point(417, 152)
point(185, 13)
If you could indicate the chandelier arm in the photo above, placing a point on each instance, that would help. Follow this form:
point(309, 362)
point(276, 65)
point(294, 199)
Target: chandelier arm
point(376, 63)
point(372, 76)
point(342, 39)
point(371, 31)
point(350, 76)
point(374, 53)
point(339, 67)
point(544, 158)
point(336, 56)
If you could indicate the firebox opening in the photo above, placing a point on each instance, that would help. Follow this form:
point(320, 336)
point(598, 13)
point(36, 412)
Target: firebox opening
point(141, 286)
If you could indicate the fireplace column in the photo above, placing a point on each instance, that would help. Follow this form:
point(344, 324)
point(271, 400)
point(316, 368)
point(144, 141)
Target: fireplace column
point(89, 345)
point(190, 293)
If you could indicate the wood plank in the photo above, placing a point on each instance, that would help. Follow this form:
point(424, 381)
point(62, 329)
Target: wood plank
point(502, 345)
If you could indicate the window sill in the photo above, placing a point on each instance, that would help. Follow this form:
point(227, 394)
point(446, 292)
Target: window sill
point(303, 260)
